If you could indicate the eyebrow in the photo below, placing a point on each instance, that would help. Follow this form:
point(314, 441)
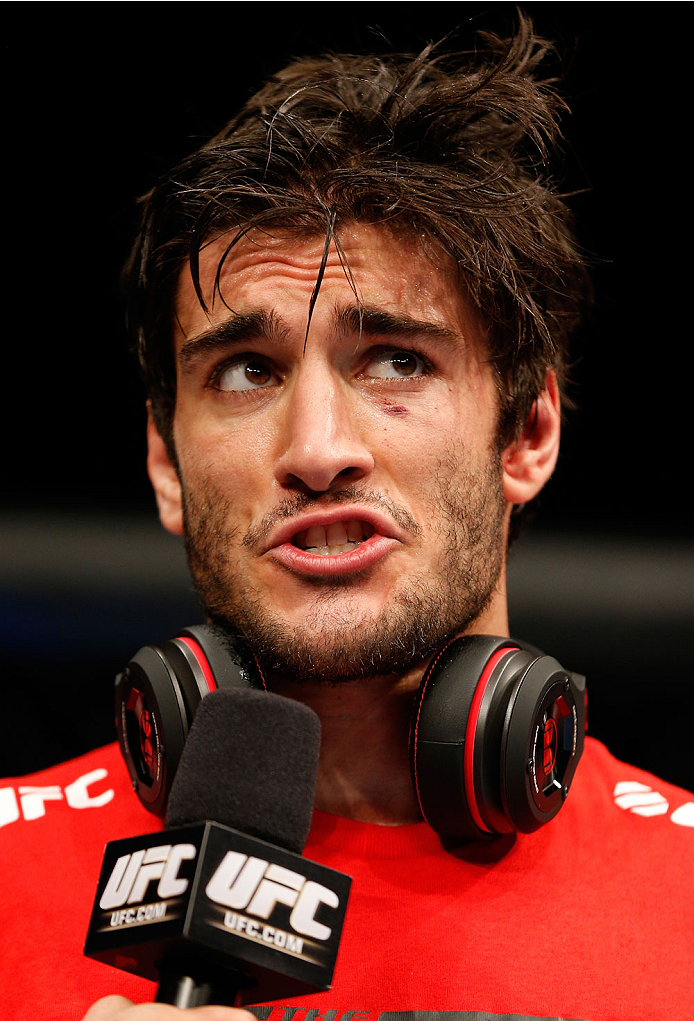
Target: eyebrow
point(260, 324)
point(264, 324)
point(371, 321)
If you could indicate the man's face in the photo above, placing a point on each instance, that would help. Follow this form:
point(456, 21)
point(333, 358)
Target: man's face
point(341, 498)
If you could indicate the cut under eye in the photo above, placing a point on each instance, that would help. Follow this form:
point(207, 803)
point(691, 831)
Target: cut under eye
point(396, 365)
point(243, 374)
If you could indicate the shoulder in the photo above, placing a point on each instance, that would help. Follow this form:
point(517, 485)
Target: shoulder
point(89, 794)
point(54, 826)
point(621, 799)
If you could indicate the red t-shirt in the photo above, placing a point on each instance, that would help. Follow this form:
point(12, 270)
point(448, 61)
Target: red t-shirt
point(591, 917)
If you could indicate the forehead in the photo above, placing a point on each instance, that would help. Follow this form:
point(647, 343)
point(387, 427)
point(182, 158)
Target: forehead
point(395, 272)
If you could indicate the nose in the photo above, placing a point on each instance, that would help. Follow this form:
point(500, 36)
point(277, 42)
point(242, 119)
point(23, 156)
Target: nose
point(321, 447)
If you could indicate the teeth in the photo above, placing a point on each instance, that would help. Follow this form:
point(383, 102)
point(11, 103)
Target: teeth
point(354, 531)
point(316, 536)
point(338, 537)
point(331, 551)
point(336, 534)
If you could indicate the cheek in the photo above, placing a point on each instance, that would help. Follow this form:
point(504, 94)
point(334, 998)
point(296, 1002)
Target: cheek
point(415, 441)
point(222, 460)
point(426, 442)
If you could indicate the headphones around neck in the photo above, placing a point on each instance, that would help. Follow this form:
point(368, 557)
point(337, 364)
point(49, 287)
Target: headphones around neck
point(496, 734)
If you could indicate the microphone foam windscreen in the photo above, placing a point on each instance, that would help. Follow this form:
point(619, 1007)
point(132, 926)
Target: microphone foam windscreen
point(250, 762)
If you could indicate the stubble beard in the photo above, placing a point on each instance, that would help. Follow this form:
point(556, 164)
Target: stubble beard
point(337, 641)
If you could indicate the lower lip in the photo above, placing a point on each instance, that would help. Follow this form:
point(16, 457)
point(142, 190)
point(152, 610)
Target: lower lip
point(366, 554)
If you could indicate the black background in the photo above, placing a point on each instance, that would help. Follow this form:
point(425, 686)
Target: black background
point(100, 99)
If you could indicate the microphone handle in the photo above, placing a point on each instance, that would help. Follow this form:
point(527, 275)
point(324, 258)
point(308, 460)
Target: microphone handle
point(184, 986)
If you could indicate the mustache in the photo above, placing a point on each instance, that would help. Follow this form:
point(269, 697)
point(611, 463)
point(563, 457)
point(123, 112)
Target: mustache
point(292, 506)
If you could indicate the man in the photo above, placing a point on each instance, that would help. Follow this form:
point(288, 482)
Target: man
point(353, 309)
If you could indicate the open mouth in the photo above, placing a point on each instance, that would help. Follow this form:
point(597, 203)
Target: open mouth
point(337, 537)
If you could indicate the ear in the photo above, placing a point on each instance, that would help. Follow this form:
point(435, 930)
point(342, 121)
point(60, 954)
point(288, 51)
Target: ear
point(164, 479)
point(528, 462)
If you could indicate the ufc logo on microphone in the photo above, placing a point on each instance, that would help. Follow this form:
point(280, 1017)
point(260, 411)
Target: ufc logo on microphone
point(253, 884)
point(133, 873)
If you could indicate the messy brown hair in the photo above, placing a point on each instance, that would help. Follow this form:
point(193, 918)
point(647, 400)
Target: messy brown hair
point(450, 148)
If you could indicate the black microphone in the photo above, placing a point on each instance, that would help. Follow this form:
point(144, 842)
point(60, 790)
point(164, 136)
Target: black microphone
point(221, 907)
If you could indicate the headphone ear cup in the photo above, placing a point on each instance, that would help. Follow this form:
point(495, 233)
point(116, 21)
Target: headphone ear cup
point(542, 742)
point(151, 720)
point(157, 695)
point(496, 736)
point(442, 737)
point(224, 662)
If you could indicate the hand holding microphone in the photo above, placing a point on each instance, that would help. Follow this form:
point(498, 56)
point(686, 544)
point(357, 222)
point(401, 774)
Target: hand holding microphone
point(117, 1008)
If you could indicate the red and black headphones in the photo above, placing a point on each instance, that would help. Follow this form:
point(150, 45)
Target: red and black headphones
point(497, 727)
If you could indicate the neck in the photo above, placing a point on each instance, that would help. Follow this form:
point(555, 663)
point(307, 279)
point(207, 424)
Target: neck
point(364, 771)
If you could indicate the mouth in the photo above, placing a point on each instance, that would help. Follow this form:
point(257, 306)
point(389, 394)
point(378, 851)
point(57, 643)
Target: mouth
point(334, 539)
point(333, 542)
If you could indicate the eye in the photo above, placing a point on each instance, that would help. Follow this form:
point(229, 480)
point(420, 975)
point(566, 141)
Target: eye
point(395, 365)
point(247, 372)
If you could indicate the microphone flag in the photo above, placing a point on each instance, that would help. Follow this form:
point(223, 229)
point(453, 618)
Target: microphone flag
point(264, 920)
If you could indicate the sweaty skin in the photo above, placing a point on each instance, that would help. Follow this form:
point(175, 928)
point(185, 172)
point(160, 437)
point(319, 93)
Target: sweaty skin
point(343, 496)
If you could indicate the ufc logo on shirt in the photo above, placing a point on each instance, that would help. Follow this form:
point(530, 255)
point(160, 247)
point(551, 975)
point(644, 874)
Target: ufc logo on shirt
point(257, 886)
